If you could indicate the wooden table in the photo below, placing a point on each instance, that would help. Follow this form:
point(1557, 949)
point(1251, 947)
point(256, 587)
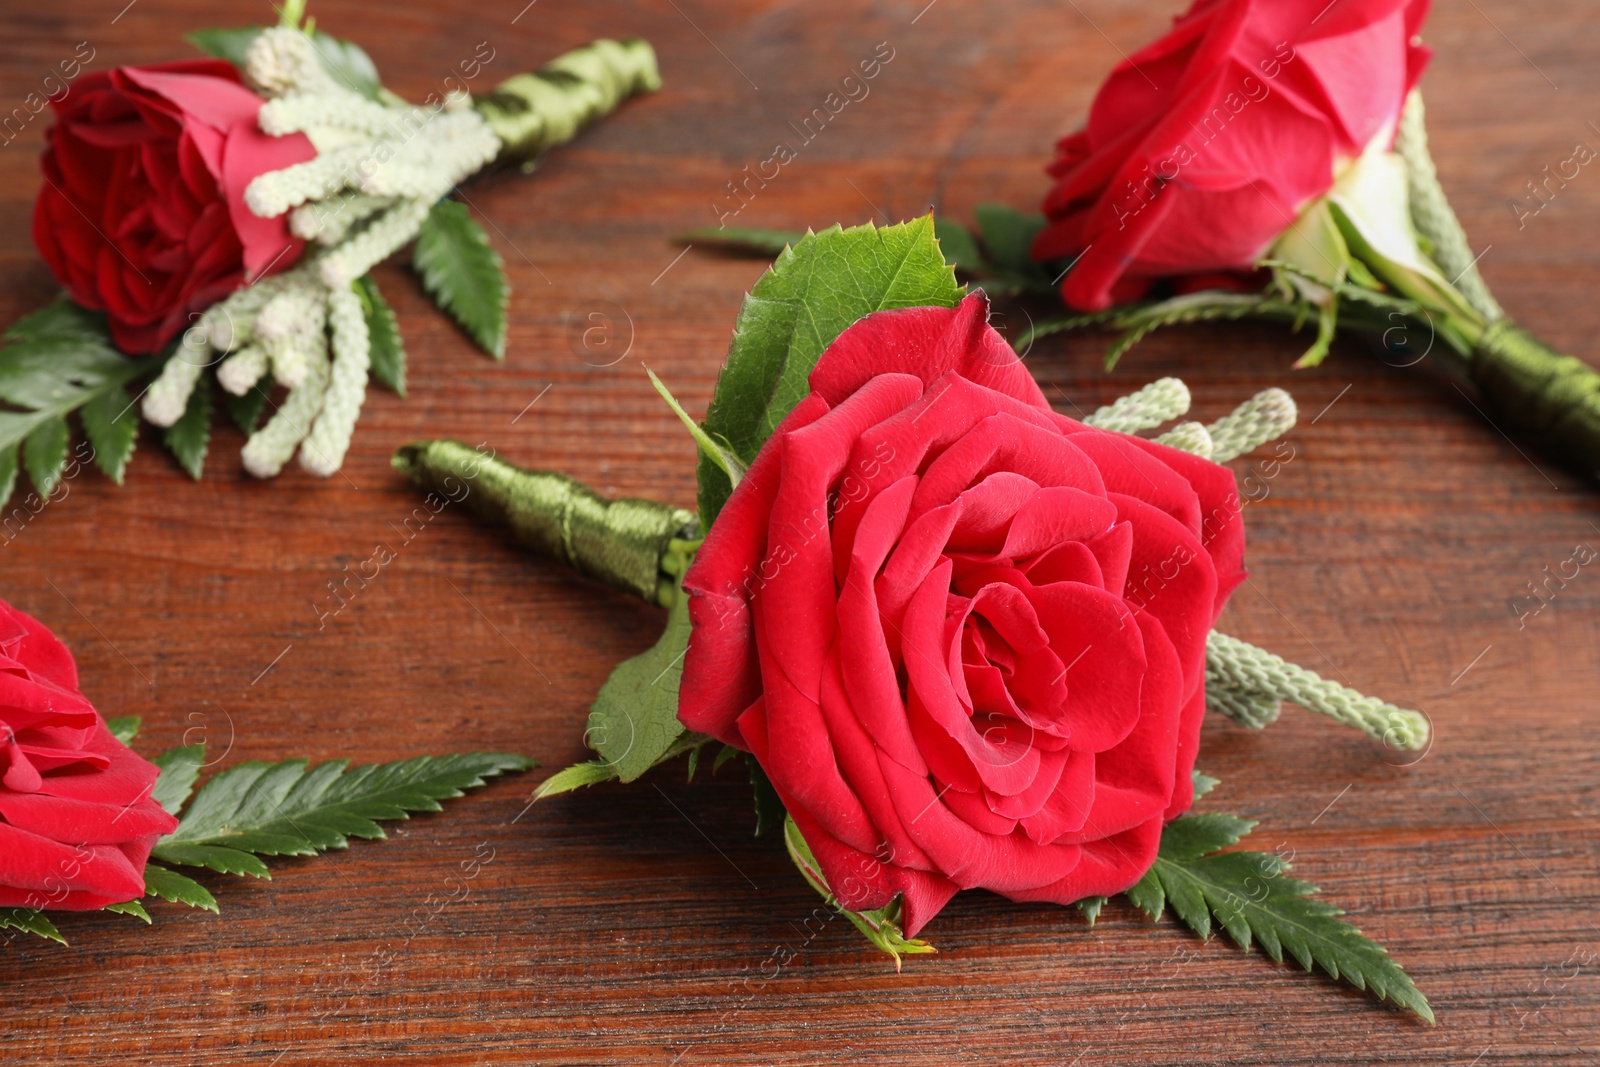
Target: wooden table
point(607, 928)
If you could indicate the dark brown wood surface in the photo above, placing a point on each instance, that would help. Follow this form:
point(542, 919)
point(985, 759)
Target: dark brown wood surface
point(645, 924)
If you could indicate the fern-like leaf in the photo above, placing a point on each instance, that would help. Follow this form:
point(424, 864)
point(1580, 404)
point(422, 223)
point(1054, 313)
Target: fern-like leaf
point(1251, 897)
point(30, 921)
point(464, 274)
point(292, 809)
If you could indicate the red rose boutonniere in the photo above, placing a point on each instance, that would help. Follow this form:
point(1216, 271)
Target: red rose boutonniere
point(962, 641)
point(218, 219)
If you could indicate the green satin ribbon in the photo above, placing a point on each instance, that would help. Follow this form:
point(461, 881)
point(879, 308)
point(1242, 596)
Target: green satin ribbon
point(1551, 398)
point(638, 546)
point(535, 111)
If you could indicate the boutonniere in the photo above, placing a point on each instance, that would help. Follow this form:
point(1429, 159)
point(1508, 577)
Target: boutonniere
point(961, 641)
point(1271, 162)
point(214, 220)
point(87, 824)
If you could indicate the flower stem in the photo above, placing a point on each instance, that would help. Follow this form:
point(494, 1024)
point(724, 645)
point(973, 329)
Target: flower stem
point(634, 545)
point(1551, 399)
point(535, 111)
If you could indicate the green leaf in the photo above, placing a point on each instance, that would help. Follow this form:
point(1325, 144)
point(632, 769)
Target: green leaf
point(129, 907)
point(62, 321)
point(125, 728)
point(213, 857)
point(595, 772)
point(813, 292)
point(634, 720)
point(178, 888)
point(179, 768)
point(388, 354)
point(349, 65)
point(290, 809)
point(112, 426)
point(727, 753)
point(33, 922)
point(44, 453)
point(1090, 906)
point(464, 274)
point(245, 411)
point(770, 812)
point(224, 42)
point(1253, 899)
point(880, 926)
point(55, 361)
point(1203, 783)
point(764, 243)
point(1008, 235)
point(188, 438)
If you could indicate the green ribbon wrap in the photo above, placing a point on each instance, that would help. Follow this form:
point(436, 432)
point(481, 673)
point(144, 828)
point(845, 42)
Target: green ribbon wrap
point(536, 111)
point(1552, 399)
point(637, 546)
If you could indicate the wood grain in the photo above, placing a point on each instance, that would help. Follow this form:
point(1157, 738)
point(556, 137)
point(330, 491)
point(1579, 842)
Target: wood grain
point(605, 929)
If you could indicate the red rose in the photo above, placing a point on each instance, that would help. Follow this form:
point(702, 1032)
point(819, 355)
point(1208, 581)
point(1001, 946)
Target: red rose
point(964, 635)
point(1204, 147)
point(142, 213)
point(76, 818)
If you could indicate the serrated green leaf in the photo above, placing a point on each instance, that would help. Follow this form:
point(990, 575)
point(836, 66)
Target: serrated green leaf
point(129, 907)
point(188, 438)
point(30, 921)
point(1203, 783)
point(881, 926)
point(634, 719)
point(124, 728)
point(290, 809)
point(56, 360)
point(179, 768)
point(746, 241)
point(44, 453)
point(388, 355)
point(464, 274)
point(112, 426)
point(1196, 835)
point(1254, 900)
point(212, 857)
point(177, 888)
point(1148, 896)
point(62, 320)
point(349, 65)
point(814, 291)
point(245, 411)
point(1090, 906)
point(770, 812)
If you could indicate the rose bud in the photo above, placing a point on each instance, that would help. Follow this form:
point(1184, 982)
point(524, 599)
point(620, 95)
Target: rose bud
point(142, 214)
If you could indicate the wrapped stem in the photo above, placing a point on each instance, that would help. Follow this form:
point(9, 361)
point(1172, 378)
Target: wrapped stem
point(628, 544)
point(1551, 399)
point(534, 111)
